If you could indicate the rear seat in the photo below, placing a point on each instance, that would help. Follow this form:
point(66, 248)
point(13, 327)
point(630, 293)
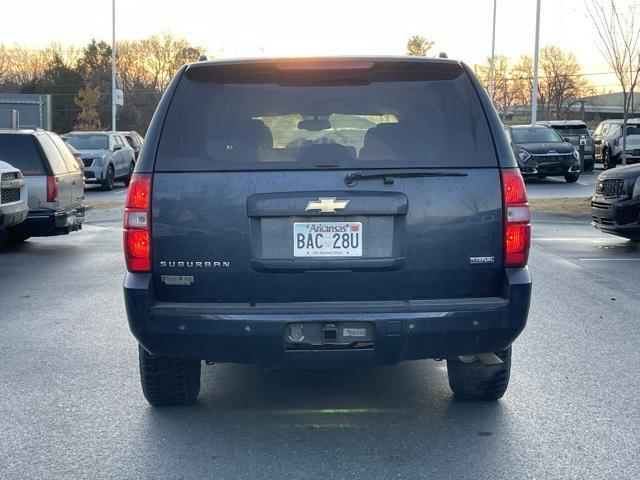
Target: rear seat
point(386, 141)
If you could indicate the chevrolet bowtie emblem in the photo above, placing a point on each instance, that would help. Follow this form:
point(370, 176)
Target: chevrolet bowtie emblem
point(327, 204)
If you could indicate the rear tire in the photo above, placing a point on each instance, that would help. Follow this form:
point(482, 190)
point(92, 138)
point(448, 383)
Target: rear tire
point(18, 237)
point(168, 381)
point(571, 177)
point(477, 381)
point(607, 160)
point(589, 165)
point(107, 183)
point(127, 180)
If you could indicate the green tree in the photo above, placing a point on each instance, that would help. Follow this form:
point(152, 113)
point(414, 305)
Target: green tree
point(95, 67)
point(62, 83)
point(418, 46)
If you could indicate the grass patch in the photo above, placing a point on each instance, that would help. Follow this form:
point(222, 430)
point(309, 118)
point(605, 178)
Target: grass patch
point(104, 204)
point(574, 206)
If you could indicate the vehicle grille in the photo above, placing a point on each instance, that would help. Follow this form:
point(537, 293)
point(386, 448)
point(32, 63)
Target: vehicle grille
point(87, 162)
point(611, 187)
point(9, 195)
point(10, 176)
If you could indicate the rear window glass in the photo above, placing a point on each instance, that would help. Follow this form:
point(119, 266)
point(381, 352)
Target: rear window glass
point(411, 122)
point(89, 142)
point(568, 130)
point(535, 135)
point(633, 130)
point(22, 152)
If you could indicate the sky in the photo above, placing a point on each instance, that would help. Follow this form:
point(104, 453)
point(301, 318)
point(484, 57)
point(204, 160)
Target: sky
point(461, 28)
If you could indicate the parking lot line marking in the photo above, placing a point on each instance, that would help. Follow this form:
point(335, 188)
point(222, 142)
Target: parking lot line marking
point(609, 259)
point(571, 239)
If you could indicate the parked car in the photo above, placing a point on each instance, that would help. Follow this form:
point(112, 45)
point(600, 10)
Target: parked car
point(107, 157)
point(541, 152)
point(615, 206)
point(135, 140)
point(54, 181)
point(76, 154)
point(576, 133)
point(324, 214)
point(13, 200)
point(608, 142)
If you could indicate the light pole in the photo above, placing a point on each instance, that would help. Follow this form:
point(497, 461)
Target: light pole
point(113, 65)
point(534, 88)
point(492, 70)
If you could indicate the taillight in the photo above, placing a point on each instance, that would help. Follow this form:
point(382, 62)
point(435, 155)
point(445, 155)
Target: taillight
point(517, 229)
point(52, 189)
point(137, 223)
point(616, 142)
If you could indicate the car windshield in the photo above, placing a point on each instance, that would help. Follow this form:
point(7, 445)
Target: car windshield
point(406, 122)
point(89, 142)
point(535, 135)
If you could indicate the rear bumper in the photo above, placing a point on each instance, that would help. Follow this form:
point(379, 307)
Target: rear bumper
point(255, 334)
point(617, 217)
point(13, 214)
point(44, 223)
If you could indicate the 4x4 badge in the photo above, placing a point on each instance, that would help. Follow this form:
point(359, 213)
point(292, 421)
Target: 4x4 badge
point(327, 204)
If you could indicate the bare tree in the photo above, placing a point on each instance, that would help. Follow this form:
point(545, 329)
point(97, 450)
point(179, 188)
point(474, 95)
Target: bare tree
point(619, 32)
point(4, 62)
point(418, 46)
point(561, 80)
point(507, 86)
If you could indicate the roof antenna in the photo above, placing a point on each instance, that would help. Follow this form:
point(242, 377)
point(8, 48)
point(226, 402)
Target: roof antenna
point(203, 58)
point(443, 55)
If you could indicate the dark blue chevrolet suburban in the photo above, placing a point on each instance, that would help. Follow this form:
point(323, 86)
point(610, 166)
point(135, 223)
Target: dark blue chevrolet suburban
point(326, 213)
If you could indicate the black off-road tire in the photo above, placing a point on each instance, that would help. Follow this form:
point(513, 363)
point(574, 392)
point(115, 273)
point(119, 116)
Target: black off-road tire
point(4, 238)
point(168, 381)
point(15, 237)
point(107, 183)
point(589, 165)
point(607, 160)
point(571, 177)
point(127, 180)
point(477, 381)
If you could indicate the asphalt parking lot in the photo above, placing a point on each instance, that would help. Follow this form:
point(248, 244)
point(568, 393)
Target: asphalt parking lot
point(73, 408)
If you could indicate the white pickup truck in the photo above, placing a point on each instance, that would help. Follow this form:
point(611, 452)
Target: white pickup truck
point(13, 200)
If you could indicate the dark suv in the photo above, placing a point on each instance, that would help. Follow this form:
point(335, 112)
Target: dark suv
point(326, 213)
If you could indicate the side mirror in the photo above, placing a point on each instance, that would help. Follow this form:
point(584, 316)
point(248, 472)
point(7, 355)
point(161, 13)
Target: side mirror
point(566, 139)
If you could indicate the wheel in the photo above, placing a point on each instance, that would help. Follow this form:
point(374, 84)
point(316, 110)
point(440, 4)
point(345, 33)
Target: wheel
point(127, 180)
point(589, 165)
point(4, 238)
point(168, 381)
point(15, 237)
point(607, 160)
point(107, 183)
point(477, 381)
point(571, 177)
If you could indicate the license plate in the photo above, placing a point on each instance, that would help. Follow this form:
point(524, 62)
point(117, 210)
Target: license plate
point(327, 239)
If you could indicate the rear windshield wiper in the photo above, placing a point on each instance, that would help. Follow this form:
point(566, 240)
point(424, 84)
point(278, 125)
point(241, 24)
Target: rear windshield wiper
point(388, 176)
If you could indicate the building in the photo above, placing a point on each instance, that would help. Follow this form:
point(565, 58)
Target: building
point(33, 110)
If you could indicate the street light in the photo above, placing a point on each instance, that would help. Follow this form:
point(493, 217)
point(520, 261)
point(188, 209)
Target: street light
point(492, 70)
point(534, 88)
point(113, 65)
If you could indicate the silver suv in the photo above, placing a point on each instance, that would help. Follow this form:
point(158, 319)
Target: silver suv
point(54, 181)
point(608, 142)
point(107, 157)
